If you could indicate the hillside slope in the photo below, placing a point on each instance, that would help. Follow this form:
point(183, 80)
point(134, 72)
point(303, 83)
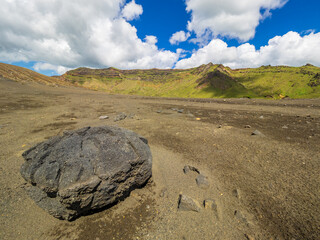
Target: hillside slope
point(20, 74)
point(206, 81)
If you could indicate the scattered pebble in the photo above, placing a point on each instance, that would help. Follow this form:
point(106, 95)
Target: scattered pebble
point(249, 237)
point(256, 133)
point(211, 204)
point(285, 127)
point(188, 204)
point(236, 193)
point(131, 116)
point(163, 192)
point(189, 168)
point(103, 117)
point(247, 126)
point(120, 117)
point(202, 181)
point(239, 215)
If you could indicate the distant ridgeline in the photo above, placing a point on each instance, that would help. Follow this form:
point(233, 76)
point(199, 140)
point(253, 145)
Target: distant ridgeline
point(206, 81)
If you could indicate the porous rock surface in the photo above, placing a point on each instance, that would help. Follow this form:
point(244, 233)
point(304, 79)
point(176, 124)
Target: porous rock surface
point(86, 169)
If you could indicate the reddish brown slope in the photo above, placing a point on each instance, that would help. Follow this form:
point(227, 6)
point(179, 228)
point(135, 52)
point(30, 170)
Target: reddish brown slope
point(20, 74)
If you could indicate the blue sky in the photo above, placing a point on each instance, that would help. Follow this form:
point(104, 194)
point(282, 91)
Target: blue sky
point(52, 37)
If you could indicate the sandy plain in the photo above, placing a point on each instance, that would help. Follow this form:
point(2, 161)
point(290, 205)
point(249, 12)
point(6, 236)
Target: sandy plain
point(265, 187)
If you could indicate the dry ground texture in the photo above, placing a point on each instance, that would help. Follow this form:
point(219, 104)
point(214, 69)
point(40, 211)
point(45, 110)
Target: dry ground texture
point(265, 186)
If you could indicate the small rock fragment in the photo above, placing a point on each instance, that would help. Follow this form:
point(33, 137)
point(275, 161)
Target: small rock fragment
point(249, 237)
point(131, 116)
point(261, 117)
point(103, 117)
point(120, 117)
point(256, 133)
point(188, 204)
point(188, 168)
point(163, 192)
point(210, 204)
point(285, 127)
point(136, 196)
point(159, 111)
point(236, 193)
point(247, 126)
point(180, 110)
point(239, 215)
point(202, 181)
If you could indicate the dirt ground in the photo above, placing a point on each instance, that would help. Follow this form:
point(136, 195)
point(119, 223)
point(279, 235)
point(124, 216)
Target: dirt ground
point(265, 186)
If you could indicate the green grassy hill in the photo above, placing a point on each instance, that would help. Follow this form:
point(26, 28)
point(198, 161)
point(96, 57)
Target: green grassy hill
point(206, 81)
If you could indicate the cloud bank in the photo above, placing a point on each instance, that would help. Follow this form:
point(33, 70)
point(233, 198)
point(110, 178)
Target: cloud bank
point(290, 49)
point(73, 33)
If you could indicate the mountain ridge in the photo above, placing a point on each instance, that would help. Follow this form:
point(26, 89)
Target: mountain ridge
point(206, 81)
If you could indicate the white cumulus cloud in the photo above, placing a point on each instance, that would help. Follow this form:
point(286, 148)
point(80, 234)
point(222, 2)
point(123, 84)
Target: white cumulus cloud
point(291, 49)
point(132, 11)
point(152, 40)
point(178, 37)
point(229, 18)
point(39, 66)
point(74, 33)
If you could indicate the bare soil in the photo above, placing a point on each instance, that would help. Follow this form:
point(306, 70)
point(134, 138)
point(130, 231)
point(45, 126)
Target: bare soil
point(265, 187)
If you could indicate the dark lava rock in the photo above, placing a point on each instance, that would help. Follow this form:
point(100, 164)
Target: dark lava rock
point(86, 170)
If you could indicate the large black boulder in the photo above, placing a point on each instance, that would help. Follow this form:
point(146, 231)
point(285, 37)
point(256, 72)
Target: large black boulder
point(86, 169)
